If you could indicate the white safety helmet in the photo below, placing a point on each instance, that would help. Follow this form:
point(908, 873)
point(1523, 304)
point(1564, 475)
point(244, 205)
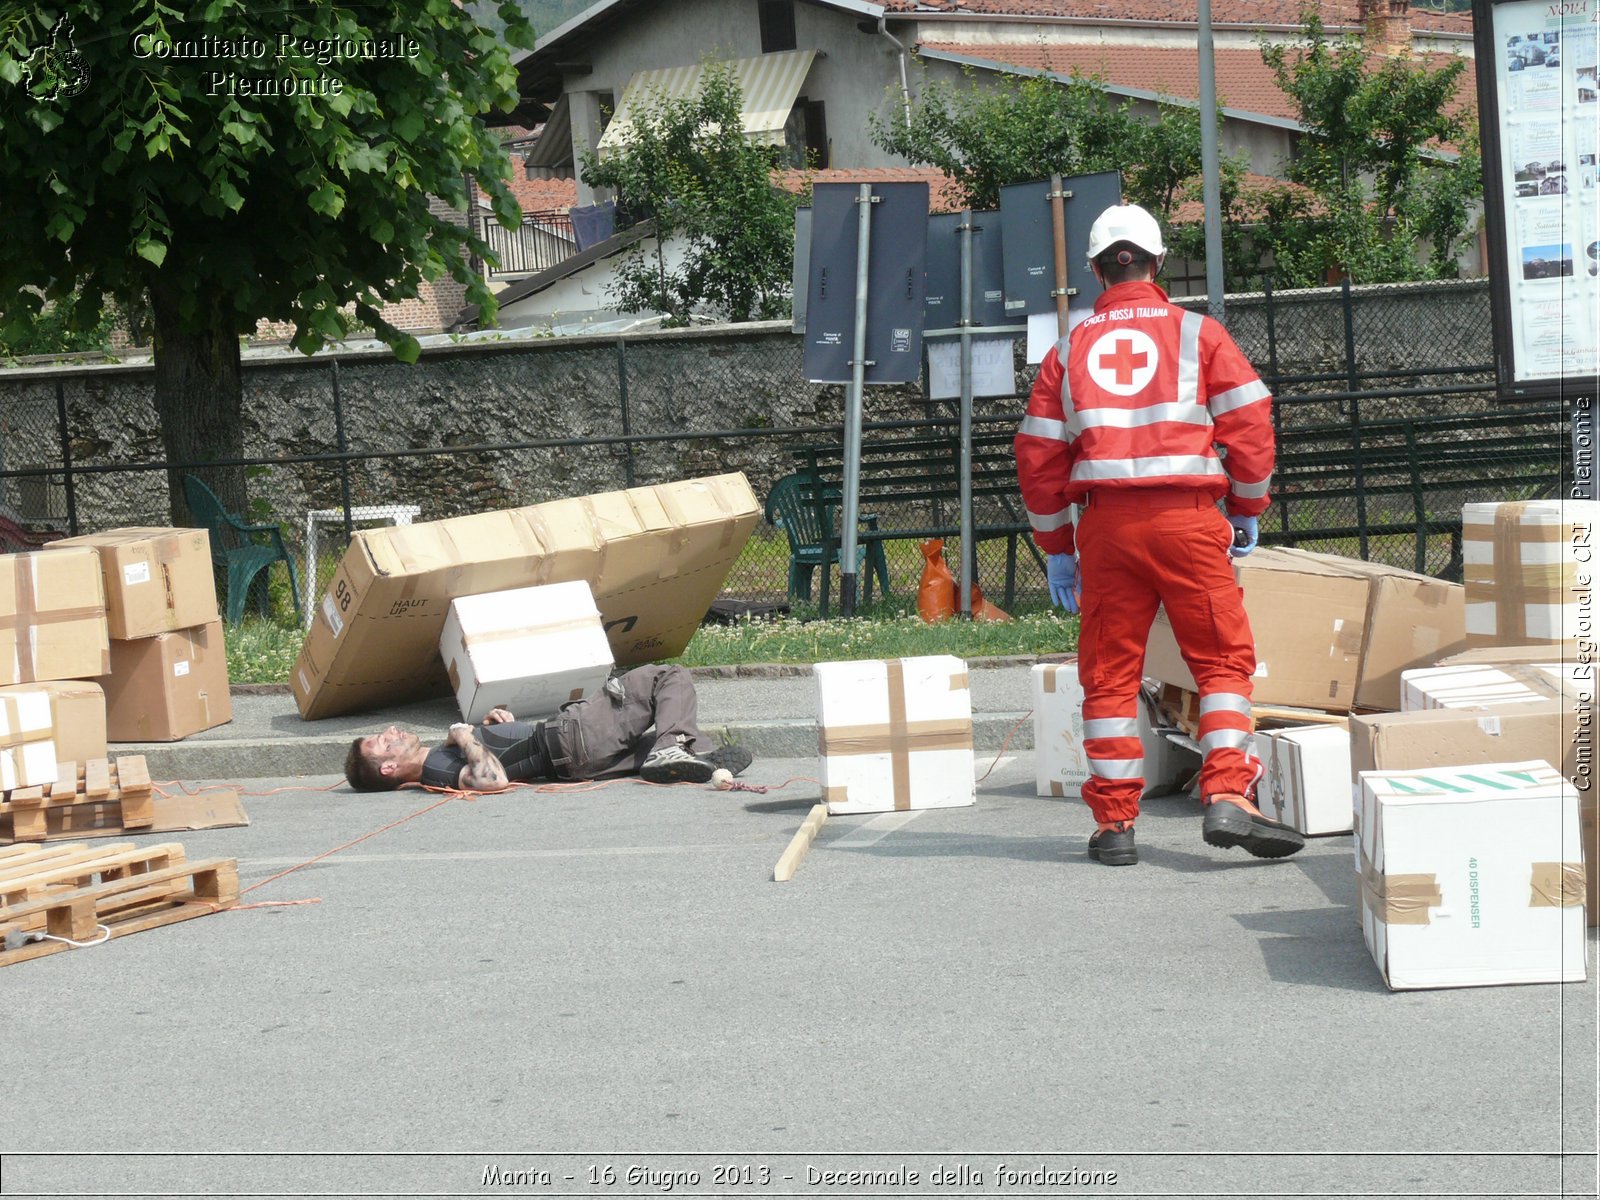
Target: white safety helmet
point(1125, 223)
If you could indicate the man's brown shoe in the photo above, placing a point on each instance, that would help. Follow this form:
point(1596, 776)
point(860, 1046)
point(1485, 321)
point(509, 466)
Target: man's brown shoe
point(1228, 823)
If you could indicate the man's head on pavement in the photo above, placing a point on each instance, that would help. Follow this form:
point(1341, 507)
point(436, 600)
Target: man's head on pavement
point(1125, 244)
point(379, 762)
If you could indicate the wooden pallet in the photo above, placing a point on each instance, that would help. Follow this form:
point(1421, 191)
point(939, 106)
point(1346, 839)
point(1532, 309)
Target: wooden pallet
point(1182, 708)
point(73, 890)
point(26, 813)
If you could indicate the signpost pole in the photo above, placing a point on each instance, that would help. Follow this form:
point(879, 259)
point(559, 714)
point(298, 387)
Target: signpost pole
point(1058, 227)
point(852, 415)
point(968, 550)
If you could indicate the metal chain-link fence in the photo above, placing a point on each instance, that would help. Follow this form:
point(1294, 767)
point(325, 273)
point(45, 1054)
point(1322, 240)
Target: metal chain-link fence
point(1385, 410)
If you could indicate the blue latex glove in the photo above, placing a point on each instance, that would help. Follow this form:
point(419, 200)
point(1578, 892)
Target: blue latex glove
point(1245, 536)
point(1062, 572)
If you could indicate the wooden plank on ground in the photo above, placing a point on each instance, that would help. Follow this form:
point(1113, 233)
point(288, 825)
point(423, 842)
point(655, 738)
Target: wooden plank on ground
point(800, 843)
point(97, 779)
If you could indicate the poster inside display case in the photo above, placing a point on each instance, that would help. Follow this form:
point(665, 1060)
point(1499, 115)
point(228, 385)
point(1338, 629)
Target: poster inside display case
point(1537, 87)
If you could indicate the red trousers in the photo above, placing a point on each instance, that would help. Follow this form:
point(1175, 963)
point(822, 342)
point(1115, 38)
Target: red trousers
point(1139, 548)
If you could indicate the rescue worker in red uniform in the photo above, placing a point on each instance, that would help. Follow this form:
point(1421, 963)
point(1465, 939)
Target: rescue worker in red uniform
point(1144, 416)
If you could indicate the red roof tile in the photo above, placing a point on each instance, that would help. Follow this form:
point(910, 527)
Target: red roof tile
point(1243, 80)
point(1334, 13)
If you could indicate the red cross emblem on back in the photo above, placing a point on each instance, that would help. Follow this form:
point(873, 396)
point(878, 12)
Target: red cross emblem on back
point(1124, 361)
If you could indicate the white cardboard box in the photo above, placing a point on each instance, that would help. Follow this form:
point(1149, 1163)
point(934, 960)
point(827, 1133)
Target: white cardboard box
point(1477, 686)
point(1528, 570)
point(1060, 764)
point(27, 740)
point(1471, 875)
point(895, 734)
point(530, 650)
point(1306, 783)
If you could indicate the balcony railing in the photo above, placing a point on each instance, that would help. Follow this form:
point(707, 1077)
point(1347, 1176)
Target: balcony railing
point(543, 240)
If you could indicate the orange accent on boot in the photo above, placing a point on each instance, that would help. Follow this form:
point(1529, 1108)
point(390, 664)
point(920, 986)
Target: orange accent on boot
point(1233, 798)
point(1113, 826)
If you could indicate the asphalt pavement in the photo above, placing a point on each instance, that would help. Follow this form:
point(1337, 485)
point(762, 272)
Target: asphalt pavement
point(602, 992)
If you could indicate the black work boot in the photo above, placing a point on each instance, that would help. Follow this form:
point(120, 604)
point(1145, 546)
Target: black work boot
point(1228, 823)
point(1114, 847)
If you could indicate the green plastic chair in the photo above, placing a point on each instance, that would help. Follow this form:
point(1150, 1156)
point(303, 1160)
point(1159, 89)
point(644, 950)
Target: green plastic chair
point(792, 503)
point(236, 547)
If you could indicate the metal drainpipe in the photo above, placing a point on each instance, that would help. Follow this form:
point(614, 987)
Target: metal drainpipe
point(905, 85)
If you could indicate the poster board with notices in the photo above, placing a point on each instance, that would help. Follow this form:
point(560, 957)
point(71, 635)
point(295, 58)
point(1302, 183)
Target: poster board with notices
point(1539, 101)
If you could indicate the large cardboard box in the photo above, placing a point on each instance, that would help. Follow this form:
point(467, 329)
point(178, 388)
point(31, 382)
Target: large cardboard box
point(1309, 622)
point(1545, 730)
point(1061, 765)
point(895, 734)
point(27, 750)
point(529, 650)
point(1412, 621)
point(1528, 568)
point(77, 716)
point(1306, 780)
point(166, 687)
point(655, 558)
point(1471, 876)
point(156, 579)
point(52, 616)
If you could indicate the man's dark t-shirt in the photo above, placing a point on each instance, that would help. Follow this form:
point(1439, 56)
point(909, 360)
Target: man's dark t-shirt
point(517, 744)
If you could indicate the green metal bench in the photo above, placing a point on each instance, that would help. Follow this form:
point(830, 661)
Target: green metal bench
point(806, 513)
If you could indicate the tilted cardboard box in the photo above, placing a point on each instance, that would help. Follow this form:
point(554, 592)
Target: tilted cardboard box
point(529, 650)
point(1529, 570)
point(155, 579)
point(655, 558)
point(52, 616)
point(166, 687)
point(1309, 622)
point(1306, 777)
point(1471, 875)
point(1412, 620)
point(77, 716)
point(895, 734)
point(1061, 765)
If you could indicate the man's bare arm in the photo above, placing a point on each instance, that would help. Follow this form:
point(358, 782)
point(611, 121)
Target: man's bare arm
point(483, 772)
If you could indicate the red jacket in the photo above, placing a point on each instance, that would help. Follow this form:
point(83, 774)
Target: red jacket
point(1149, 395)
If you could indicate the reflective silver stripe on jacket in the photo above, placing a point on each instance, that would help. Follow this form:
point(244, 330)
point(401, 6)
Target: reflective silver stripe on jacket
point(1189, 358)
point(1224, 739)
point(1245, 393)
point(1089, 470)
point(1116, 768)
point(1223, 702)
point(1111, 727)
point(1074, 427)
point(1132, 418)
point(1045, 427)
point(1049, 522)
point(1249, 491)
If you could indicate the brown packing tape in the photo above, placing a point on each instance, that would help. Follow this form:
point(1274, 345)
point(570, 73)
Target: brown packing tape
point(574, 625)
point(11, 736)
point(952, 733)
point(1050, 679)
point(1540, 583)
point(1398, 899)
point(575, 695)
point(1557, 885)
point(959, 682)
point(899, 753)
point(836, 794)
point(1510, 611)
point(1056, 788)
point(455, 676)
point(24, 614)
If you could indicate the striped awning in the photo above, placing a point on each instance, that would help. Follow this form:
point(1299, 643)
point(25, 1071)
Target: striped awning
point(769, 84)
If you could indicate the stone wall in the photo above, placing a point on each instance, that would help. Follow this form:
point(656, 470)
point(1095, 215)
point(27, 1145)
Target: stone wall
point(679, 387)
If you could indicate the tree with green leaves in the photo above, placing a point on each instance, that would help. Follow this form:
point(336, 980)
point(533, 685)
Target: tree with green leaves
point(1373, 187)
point(1005, 129)
point(686, 166)
point(226, 162)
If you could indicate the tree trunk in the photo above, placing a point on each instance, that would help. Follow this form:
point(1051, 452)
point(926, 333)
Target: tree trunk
point(199, 402)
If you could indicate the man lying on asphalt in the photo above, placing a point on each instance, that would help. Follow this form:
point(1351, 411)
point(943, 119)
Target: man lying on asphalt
point(644, 721)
